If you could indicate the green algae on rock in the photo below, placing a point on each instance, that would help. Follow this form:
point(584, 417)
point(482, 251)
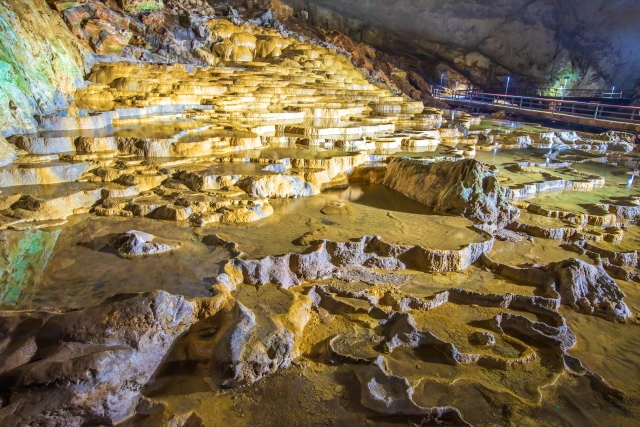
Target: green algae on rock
point(40, 63)
point(133, 6)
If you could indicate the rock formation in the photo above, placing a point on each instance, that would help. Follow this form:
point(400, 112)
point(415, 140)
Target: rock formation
point(589, 288)
point(325, 256)
point(390, 394)
point(135, 243)
point(87, 367)
point(25, 255)
point(466, 188)
point(484, 42)
point(249, 347)
point(41, 63)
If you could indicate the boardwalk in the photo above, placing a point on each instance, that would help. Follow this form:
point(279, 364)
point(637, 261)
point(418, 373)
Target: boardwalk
point(583, 113)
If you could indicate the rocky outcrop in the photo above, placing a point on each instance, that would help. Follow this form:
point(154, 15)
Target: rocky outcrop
point(574, 283)
point(133, 243)
point(41, 62)
point(7, 152)
point(326, 256)
point(393, 70)
point(251, 346)
point(626, 209)
point(61, 367)
point(589, 289)
point(537, 43)
point(239, 345)
point(276, 186)
point(465, 188)
point(74, 368)
point(390, 394)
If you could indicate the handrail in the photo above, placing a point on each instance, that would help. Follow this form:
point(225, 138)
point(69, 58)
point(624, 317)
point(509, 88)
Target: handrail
point(563, 93)
point(584, 93)
point(555, 106)
point(564, 101)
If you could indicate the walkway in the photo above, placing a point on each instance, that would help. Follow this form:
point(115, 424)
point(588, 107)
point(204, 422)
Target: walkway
point(583, 113)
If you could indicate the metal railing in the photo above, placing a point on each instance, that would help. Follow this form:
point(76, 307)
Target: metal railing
point(441, 92)
point(556, 92)
point(574, 93)
point(593, 110)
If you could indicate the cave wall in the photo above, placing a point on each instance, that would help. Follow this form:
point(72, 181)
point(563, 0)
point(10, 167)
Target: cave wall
point(537, 42)
point(41, 63)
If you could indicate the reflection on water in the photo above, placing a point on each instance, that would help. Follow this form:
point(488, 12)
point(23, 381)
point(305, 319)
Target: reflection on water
point(50, 191)
point(370, 210)
point(159, 130)
point(510, 125)
point(84, 269)
point(297, 152)
point(381, 197)
point(249, 168)
point(24, 256)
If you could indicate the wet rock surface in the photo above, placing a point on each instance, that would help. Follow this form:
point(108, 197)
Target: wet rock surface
point(589, 288)
point(87, 366)
point(462, 188)
point(324, 257)
point(135, 243)
point(390, 394)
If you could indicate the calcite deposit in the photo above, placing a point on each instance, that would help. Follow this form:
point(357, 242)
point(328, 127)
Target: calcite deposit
point(237, 219)
point(135, 243)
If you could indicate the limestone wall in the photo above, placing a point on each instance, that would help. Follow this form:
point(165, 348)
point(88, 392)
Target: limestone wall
point(594, 42)
point(40, 63)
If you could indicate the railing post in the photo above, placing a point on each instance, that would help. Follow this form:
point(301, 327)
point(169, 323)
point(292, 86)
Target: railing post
point(597, 108)
point(521, 103)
